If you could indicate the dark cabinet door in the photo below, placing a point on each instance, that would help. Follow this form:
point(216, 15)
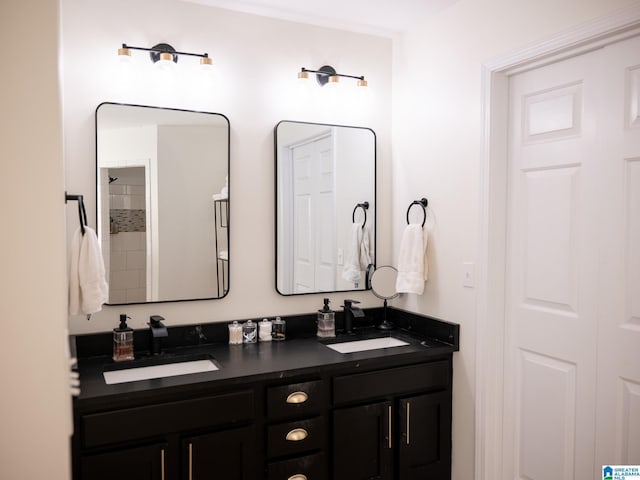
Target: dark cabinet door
point(228, 454)
point(363, 442)
point(424, 450)
point(139, 463)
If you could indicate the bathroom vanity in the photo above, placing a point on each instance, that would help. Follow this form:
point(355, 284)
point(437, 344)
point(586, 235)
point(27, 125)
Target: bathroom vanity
point(290, 410)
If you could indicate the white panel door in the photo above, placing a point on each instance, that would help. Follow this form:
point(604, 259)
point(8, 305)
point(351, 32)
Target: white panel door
point(618, 419)
point(314, 241)
point(571, 226)
point(551, 310)
point(326, 217)
point(303, 238)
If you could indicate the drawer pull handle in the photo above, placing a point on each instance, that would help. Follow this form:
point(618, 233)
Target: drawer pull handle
point(297, 434)
point(297, 476)
point(408, 422)
point(162, 464)
point(190, 461)
point(297, 397)
point(389, 419)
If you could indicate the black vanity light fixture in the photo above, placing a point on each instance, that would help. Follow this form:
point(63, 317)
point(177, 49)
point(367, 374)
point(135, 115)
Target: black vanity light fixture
point(328, 75)
point(164, 54)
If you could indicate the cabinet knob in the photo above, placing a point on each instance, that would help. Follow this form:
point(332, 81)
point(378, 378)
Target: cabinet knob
point(297, 434)
point(297, 397)
point(297, 476)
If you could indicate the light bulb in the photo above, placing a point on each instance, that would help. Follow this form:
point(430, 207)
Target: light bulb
point(124, 55)
point(166, 61)
point(206, 64)
point(207, 69)
point(332, 82)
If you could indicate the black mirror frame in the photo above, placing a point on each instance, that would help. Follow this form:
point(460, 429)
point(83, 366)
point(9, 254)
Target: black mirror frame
point(97, 179)
point(375, 203)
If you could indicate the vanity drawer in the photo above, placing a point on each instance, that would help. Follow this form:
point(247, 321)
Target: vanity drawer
point(296, 399)
point(163, 418)
point(309, 467)
point(392, 381)
point(296, 437)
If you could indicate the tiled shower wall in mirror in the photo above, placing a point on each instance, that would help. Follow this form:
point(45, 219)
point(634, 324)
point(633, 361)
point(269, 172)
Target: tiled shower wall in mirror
point(128, 279)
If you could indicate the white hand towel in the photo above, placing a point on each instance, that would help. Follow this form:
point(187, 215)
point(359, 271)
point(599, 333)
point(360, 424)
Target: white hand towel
point(88, 288)
point(351, 270)
point(74, 277)
point(412, 260)
point(365, 255)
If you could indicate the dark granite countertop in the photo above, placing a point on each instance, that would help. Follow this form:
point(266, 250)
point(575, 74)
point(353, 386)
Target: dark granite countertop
point(243, 364)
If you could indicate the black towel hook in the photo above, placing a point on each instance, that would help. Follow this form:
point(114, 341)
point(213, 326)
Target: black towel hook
point(82, 213)
point(364, 206)
point(423, 202)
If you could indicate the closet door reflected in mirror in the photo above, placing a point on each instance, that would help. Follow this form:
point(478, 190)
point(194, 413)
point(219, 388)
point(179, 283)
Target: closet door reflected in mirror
point(325, 207)
point(163, 203)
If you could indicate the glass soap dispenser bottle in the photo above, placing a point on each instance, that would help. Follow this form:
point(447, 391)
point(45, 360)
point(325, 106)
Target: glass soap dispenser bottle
point(123, 341)
point(326, 321)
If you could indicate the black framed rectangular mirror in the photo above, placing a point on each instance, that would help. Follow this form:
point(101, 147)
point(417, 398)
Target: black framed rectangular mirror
point(162, 202)
point(325, 181)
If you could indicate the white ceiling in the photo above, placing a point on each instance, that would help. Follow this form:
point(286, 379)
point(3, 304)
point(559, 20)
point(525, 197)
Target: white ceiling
point(379, 17)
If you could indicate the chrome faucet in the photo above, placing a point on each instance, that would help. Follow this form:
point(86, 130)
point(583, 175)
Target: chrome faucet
point(350, 314)
point(158, 331)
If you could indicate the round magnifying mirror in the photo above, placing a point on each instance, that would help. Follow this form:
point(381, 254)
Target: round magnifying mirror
point(383, 285)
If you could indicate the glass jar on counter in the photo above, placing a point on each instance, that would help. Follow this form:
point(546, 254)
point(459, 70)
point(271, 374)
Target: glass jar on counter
point(235, 333)
point(264, 330)
point(249, 332)
point(278, 330)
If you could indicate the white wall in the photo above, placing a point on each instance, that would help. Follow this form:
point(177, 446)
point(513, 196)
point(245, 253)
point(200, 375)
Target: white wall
point(35, 407)
point(187, 180)
point(257, 60)
point(437, 148)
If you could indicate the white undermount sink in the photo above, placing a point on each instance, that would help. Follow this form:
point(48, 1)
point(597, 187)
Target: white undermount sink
point(364, 345)
point(149, 372)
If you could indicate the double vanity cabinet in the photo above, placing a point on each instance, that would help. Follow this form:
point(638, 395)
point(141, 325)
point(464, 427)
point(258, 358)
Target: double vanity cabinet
point(293, 410)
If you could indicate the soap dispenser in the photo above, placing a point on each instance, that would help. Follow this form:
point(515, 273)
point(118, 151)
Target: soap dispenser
point(123, 341)
point(326, 321)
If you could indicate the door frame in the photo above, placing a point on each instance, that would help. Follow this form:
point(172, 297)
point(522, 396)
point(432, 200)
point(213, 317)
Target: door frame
point(490, 308)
